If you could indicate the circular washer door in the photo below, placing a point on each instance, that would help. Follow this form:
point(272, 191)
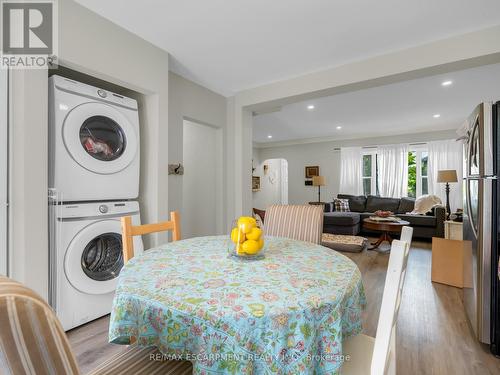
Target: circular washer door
point(99, 138)
point(94, 258)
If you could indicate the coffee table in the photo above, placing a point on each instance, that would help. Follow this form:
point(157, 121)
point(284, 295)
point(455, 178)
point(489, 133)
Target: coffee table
point(386, 227)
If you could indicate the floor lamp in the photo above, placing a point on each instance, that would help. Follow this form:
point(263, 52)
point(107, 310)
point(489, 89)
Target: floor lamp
point(319, 181)
point(447, 176)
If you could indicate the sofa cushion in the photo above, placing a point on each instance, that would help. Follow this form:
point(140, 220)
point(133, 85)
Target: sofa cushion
point(356, 203)
point(374, 203)
point(419, 220)
point(406, 205)
point(341, 205)
point(341, 218)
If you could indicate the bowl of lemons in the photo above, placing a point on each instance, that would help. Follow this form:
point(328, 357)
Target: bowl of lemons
point(247, 239)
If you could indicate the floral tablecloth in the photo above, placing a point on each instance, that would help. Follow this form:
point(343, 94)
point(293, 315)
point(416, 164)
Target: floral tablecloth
point(285, 314)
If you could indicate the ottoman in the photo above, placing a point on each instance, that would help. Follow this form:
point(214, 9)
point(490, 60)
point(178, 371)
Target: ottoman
point(340, 242)
point(347, 223)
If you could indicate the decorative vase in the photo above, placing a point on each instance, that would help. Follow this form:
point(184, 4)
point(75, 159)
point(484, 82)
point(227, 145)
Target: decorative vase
point(247, 239)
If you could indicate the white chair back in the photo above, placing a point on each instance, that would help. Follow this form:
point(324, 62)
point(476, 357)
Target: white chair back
point(406, 235)
point(384, 351)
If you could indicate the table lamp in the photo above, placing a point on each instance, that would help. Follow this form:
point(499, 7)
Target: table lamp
point(319, 181)
point(447, 176)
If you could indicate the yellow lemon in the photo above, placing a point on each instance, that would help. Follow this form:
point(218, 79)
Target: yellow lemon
point(239, 249)
point(246, 227)
point(261, 243)
point(254, 234)
point(247, 219)
point(237, 236)
point(246, 223)
point(250, 247)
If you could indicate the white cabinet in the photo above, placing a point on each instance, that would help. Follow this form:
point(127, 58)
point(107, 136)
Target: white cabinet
point(453, 230)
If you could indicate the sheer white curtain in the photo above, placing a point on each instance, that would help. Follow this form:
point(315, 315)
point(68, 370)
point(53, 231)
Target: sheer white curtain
point(393, 170)
point(351, 178)
point(445, 154)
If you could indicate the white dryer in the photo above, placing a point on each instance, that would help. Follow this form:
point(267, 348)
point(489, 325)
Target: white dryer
point(93, 142)
point(87, 258)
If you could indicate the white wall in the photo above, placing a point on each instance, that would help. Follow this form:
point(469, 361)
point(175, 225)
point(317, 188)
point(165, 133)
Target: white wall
point(190, 101)
point(93, 45)
point(270, 193)
point(323, 154)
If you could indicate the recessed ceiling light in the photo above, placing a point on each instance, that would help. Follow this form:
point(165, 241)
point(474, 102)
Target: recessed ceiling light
point(437, 115)
point(446, 83)
point(339, 127)
point(269, 136)
point(310, 107)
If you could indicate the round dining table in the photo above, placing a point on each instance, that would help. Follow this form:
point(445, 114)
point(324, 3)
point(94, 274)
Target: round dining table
point(287, 313)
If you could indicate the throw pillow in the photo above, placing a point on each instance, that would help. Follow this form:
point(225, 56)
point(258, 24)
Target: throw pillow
point(356, 203)
point(425, 203)
point(258, 219)
point(341, 205)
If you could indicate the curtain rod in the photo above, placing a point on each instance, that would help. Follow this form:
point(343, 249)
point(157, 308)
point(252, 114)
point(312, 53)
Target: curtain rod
point(369, 147)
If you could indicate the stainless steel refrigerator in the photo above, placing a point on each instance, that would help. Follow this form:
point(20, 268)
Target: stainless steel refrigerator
point(481, 210)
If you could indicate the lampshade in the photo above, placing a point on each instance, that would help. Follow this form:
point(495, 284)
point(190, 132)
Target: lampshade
point(447, 175)
point(319, 181)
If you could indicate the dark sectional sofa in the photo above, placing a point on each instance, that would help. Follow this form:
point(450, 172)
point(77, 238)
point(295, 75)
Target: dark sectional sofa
point(361, 207)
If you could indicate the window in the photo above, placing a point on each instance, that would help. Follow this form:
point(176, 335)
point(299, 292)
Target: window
point(370, 173)
point(417, 172)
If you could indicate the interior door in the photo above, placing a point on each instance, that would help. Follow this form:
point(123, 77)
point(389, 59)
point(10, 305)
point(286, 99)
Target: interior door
point(3, 171)
point(200, 180)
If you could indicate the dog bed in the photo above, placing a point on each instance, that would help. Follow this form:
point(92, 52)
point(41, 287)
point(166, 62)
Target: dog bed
point(339, 242)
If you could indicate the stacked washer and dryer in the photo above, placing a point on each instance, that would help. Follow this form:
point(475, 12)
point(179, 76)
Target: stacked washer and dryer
point(94, 173)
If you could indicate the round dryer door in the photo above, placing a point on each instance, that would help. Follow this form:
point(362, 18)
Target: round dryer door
point(94, 258)
point(99, 138)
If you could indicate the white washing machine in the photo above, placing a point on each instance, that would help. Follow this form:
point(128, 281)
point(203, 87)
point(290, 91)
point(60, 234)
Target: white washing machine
point(87, 258)
point(93, 142)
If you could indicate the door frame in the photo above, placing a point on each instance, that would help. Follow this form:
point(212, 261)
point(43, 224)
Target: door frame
point(4, 172)
point(219, 172)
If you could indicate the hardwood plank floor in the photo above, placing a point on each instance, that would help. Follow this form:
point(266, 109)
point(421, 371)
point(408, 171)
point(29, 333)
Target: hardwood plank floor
point(433, 333)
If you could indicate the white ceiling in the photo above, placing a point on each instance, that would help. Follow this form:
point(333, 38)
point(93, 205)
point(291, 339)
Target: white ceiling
point(405, 107)
point(230, 45)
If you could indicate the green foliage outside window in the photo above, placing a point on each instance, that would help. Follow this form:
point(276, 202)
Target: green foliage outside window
point(412, 174)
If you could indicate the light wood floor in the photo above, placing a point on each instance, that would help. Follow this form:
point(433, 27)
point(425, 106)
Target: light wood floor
point(433, 332)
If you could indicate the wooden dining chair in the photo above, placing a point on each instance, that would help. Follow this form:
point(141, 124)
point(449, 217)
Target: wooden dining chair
point(298, 222)
point(377, 356)
point(33, 342)
point(129, 231)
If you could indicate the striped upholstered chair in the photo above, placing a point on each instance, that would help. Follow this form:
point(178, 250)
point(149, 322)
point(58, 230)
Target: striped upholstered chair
point(304, 223)
point(33, 342)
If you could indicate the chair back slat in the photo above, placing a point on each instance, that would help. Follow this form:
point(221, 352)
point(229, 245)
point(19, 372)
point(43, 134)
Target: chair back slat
point(129, 231)
point(406, 235)
point(384, 352)
point(298, 222)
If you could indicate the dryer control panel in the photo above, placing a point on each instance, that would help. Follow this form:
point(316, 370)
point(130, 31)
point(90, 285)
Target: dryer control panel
point(100, 209)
